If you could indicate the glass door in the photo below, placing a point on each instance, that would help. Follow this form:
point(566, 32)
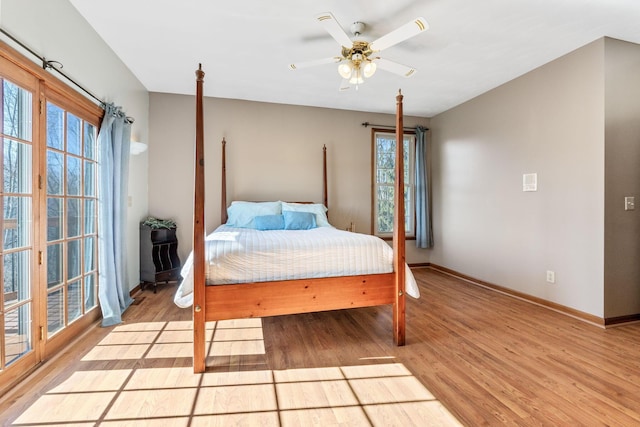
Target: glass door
point(71, 218)
point(18, 256)
point(48, 197)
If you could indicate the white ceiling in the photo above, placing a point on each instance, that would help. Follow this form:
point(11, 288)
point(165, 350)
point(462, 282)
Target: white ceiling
point(245, 46)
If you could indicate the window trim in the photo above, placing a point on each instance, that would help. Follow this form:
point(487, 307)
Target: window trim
point(410, 234)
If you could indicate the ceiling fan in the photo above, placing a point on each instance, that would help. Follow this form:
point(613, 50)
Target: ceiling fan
point(358, 58)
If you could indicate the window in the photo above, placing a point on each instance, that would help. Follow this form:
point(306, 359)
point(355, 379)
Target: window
point(384, 152)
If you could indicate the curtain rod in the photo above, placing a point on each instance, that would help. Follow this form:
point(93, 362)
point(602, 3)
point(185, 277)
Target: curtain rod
point(367, 124)
point(53, 65)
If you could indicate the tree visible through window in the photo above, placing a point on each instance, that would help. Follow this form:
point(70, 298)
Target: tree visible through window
point(384, 151)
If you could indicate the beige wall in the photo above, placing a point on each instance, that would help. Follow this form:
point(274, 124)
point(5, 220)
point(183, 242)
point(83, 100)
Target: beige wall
point(551, 122)
point(55, 30)
point(273, 152)
point(622, 178)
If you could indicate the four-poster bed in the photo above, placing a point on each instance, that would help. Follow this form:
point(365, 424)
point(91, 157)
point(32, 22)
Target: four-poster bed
point(270, 298)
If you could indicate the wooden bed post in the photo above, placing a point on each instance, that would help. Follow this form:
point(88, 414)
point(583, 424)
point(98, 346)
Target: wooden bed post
point(325, 197)
point(223, 190)
point(199, 315)
point(399, 230)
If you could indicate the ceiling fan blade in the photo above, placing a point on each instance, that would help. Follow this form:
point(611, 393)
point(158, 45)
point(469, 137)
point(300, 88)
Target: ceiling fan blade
point(401, 34)
point(394, 67)
point(328, 21)
point(305, 64)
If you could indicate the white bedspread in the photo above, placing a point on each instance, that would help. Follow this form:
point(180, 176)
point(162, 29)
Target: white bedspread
point(242, 255)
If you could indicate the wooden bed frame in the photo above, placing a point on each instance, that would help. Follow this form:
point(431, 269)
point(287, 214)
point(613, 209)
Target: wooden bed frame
point(236, 301)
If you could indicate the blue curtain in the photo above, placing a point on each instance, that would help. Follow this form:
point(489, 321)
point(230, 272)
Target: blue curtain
point(424, 233)
point(113, 170)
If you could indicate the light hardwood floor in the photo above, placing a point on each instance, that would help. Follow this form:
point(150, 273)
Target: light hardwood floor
point(473, 357)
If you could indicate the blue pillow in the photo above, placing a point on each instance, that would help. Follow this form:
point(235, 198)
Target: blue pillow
point(269, 222)
point(299, 220)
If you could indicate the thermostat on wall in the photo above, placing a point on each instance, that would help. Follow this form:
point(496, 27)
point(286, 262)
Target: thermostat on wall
point(530, 182)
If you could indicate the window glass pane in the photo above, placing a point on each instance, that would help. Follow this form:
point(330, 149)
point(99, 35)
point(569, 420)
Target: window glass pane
point(74, 258)
point(54, 265)
point(408, 214)
point(17, 277)
point(90, 300)
point(73, 134)
point(16, 109)
point(405, 159)
point(386, 155)
point(74, 300)
point(386, 144)
point(73, 217)
point(55, 126)
point(17, 167)
point(385, 178)
point(55, 170)
point(89, 252)
point(89, 178)
point(54, 218)
point(89, 216)
point(17, 222)
point(385, 192)
point(385, 209)
point(73, 176)
point(55, 313)
point(17, 332)
point(89, 141)
point(386, 160)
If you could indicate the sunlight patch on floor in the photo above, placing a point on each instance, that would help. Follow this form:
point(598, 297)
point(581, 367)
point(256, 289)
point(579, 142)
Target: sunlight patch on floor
point(237, 337)
point(93, 381)
point(163, 378)
point(373, 394)
point(116, 352)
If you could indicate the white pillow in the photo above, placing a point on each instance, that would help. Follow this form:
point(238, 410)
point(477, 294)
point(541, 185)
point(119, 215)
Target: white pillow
point(241, 214)
point(316, 208)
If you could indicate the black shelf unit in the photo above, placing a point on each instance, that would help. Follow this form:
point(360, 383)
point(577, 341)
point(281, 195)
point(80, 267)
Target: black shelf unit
point(159, 262)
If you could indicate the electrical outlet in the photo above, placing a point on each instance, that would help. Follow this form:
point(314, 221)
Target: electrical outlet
point(551, 277)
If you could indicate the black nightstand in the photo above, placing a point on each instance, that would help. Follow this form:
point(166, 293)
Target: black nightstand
point(159, 260)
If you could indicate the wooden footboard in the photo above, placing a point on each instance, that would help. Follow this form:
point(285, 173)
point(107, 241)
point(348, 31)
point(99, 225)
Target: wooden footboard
point(264, 299)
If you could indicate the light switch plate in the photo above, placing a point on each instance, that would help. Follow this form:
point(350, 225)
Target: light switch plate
point(629, 203)
point(530, 182)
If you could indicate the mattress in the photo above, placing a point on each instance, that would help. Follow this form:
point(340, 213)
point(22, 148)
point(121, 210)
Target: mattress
point(243, 255)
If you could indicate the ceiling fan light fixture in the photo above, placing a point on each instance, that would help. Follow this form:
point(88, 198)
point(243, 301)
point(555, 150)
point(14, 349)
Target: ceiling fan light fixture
point(356, 77)
point(345, 69)
point(369, 69)
point(356, 61)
